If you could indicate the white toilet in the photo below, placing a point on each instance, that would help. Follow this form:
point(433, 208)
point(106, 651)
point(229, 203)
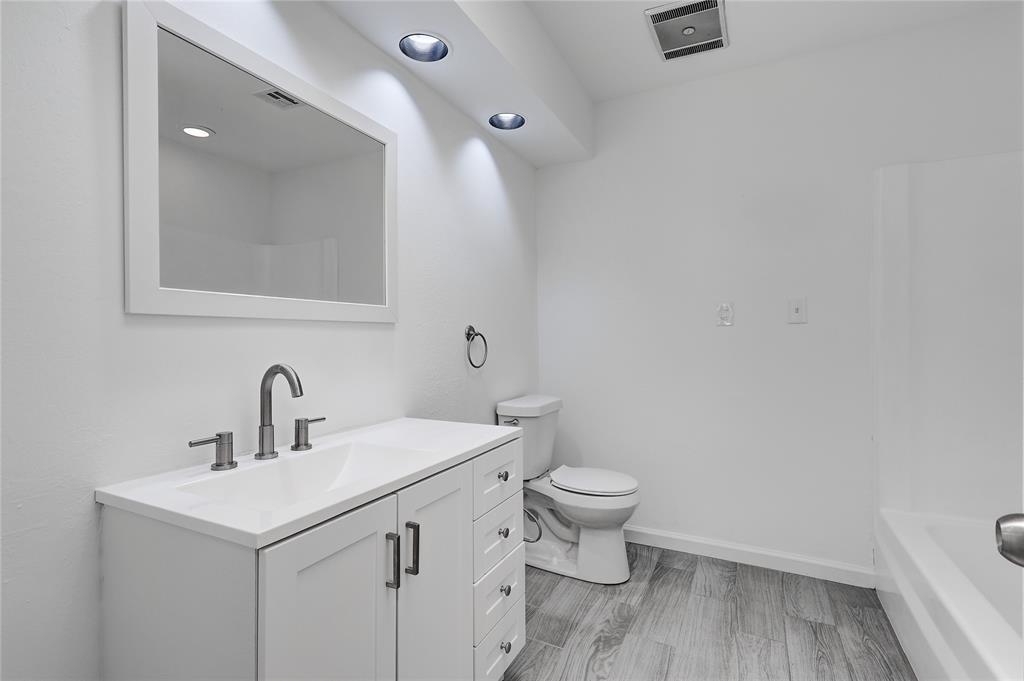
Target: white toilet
point(580, 511)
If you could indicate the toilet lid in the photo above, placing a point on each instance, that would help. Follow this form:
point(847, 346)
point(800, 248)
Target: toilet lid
point(596, 481)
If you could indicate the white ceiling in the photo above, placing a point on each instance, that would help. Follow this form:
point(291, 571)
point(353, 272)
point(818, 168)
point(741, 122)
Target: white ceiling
point(551, 60)
point(500, 59)
point(197, 88)
point(608, 44)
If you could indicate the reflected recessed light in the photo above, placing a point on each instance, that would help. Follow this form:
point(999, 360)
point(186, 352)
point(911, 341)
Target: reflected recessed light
point(423, 47)
point(507, 121)
point(197, 131)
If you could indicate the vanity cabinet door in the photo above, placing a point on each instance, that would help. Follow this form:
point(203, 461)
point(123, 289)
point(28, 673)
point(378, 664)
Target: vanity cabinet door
point(435, 602)
point(324, 611)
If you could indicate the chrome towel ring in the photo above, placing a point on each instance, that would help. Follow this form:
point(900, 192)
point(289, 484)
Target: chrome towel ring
point(471, 335)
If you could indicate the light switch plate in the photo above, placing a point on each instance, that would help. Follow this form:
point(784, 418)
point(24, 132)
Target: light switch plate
point(797, 311)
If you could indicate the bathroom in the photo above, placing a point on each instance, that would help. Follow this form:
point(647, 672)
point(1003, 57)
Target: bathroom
point(776, 283)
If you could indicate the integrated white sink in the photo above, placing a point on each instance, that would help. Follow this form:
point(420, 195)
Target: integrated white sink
point(261, 502)
point(306, 476)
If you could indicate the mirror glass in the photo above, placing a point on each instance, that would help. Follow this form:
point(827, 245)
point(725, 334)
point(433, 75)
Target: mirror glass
point(268, 195)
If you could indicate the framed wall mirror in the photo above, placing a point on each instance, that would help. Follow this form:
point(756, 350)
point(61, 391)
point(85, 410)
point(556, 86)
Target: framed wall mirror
point(248, 191)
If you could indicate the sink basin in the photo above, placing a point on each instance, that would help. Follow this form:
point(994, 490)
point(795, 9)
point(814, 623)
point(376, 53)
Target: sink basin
point(262, 502)
point(296, 478)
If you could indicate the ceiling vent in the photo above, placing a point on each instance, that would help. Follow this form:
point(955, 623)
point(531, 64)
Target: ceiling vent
point(279, 98)
point(684, 28)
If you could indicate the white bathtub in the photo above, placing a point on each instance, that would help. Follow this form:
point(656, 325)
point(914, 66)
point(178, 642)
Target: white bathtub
point(955, 604)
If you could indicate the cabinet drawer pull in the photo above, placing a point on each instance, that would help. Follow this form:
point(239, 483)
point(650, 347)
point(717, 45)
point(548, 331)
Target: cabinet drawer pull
point(506, 646)
point(396, 561)
point(503, 476)
point(414, 569)
point(503, 533)
point(506, 589)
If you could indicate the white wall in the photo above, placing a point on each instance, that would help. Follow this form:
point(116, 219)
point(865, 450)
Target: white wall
point(751, 187)
point(213, 213)
point(343, 201)
point(92, 396)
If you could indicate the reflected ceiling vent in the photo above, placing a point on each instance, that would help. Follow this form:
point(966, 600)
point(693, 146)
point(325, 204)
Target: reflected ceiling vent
point(279, 98)
point(682, 28)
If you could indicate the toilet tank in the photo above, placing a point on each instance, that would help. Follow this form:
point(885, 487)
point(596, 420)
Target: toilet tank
point(537, 415)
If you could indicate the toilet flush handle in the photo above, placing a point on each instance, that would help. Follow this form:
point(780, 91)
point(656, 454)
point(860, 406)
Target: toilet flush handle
point(511, 422)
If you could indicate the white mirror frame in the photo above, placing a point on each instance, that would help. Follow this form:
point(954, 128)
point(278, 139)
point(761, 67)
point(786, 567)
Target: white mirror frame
point(143, 293)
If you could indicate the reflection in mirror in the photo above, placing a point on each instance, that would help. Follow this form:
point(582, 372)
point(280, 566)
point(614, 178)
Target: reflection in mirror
point(260, 193)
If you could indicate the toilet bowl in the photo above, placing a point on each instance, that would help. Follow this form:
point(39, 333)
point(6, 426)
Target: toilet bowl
point(575, 515)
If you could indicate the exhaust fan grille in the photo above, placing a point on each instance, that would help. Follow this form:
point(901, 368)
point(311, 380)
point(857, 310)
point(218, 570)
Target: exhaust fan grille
point(684, 28)
point(703, 47)
point(279, 98)
point(683, 11)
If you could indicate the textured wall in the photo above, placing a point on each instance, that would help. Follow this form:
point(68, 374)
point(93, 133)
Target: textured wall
point(751, 187)
point(92, 396)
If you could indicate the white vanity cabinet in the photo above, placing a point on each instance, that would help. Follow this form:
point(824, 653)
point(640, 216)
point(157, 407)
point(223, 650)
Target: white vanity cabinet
point(323, 609)
point(388, 590)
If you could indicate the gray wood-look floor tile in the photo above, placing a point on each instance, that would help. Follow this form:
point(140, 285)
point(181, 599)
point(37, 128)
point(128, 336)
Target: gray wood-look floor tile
point(756, 624)
point(714, 578)
point(557, 617)
point(815, 651)
point(806, 598)
point(761, 659)
point(642, 561)
point(660, 617)
point(871, 646)
point(706, 648)
point(591, 651)
point(759, 603)
point(537, 662)
point(678, 559)
point(539, 584)
point(854, 596)
point(642, 660)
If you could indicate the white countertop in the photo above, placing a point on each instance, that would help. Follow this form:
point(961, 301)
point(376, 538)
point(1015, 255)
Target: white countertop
point(431, 447)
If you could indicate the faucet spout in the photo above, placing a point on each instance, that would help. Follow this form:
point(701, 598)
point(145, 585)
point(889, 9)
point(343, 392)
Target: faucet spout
point(266, 438)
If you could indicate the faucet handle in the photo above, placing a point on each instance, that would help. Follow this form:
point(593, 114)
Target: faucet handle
point(302, 433)
point(225, 456)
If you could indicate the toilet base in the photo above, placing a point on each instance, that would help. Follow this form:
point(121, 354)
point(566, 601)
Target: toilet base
point(600, 556)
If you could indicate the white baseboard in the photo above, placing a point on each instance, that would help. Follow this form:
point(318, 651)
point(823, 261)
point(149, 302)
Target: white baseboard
point(835, 571)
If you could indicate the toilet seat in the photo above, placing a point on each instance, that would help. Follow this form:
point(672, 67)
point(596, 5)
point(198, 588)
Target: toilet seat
point(593, 481)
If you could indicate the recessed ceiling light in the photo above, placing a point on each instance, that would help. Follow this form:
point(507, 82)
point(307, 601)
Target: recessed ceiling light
point(423, 47)
point(197, 131)
point(507, 121)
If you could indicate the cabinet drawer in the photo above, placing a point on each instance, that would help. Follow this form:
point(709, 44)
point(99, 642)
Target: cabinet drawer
point(496, 534)
point(497, 591)
point(496, 652)
point(497, 475)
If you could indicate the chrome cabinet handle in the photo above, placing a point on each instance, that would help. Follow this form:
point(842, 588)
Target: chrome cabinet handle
point(503, 476)
point(506, 589)
point(503, 533)
point(396, 561)
point(414, 569)
point(506, 646)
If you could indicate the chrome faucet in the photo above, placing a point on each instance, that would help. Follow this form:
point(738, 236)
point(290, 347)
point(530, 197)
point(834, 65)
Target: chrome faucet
point(266, 450)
